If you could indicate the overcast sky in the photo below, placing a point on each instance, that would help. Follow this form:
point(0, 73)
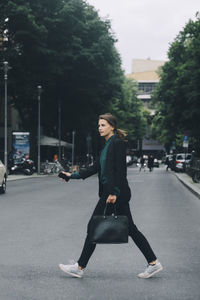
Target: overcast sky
point(145, 28)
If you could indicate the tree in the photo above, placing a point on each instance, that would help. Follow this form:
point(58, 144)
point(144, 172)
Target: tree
point(130, 112)
point(64, 46)
point(178, 92)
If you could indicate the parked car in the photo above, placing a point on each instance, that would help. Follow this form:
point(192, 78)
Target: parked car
point(3, 178)
point(156, 163)
point(180, 160)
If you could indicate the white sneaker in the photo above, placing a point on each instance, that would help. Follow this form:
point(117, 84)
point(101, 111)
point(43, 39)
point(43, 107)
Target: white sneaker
point(72, 269)
point(151, 270)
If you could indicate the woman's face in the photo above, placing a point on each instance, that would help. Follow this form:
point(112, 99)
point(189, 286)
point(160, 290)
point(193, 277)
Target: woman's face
point(105, 129)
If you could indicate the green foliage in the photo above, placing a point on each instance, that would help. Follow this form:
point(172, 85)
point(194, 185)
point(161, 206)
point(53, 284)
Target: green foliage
point(130, 113)
point(64, 46)
point(178, 93)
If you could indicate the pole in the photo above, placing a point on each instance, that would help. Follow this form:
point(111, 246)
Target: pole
point(59, 131)
point(73, 139)
point(39, 88)
point(88, 148)
point(6, 117)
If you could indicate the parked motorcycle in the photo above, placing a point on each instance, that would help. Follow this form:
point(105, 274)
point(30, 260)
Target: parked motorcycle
point(21, 164)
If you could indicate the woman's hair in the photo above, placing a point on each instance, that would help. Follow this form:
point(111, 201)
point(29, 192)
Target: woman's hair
point(112, 120)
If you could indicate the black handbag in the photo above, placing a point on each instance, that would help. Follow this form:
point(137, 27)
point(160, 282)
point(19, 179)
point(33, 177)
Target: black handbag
point(108, 229)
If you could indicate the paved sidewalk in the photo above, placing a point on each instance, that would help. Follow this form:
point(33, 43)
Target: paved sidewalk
point(188, 182)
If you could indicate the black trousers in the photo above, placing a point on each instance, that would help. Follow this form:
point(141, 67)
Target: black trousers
point(134, 233)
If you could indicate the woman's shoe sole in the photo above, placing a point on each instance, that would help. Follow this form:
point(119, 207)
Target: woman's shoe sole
point(150, 275)
point(73, 274)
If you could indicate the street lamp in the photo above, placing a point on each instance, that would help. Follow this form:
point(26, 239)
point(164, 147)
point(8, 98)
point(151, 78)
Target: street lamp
point(6, 68)
point(73, 140)
point(88, 147)
point(59, 131)
point(39, 89)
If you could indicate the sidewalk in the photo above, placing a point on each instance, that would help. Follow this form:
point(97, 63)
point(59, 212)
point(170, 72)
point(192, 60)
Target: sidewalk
point(188, 182)
point(19, 176)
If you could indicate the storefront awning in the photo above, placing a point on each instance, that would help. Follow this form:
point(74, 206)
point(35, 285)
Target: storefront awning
point(149, 144)
point(53, 142)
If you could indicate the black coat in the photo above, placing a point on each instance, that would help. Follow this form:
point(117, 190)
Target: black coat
point(115, 171)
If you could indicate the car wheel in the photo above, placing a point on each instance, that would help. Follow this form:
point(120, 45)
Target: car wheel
point(3, 187)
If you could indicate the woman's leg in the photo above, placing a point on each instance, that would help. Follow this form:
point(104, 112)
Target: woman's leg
point(76, 268)
point(138, 238)
point(88, 247)
point(86, 253)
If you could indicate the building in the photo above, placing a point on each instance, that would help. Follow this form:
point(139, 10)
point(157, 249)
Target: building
point(146, 73)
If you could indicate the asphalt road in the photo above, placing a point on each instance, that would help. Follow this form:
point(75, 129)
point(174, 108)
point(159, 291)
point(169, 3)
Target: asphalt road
point(43, 223)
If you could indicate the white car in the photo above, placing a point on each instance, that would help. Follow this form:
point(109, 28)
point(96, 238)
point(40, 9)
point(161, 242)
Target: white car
point(181, 159)
point(3, 178)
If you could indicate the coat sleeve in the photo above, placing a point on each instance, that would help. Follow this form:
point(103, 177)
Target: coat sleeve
point(120, 168)
point(87, 172)
point(117, 167)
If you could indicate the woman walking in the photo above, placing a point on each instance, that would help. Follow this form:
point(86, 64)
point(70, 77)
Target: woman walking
point(113, 188)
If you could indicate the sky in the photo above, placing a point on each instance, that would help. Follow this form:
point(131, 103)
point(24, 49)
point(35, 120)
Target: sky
point(145, 28)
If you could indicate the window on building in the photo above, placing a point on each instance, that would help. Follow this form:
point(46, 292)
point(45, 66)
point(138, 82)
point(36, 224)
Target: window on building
point(146, 87)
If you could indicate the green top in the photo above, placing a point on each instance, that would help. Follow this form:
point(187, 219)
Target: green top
point(103, 177)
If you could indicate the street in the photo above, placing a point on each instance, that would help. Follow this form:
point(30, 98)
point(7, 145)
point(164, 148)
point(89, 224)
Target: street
point(43, 223)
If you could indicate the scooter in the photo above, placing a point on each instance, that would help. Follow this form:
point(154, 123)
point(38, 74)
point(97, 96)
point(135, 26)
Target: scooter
point(22, 164)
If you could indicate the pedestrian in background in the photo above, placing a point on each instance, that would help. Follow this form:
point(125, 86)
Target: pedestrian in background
point(113, 188)
point(150, 163)
point(167, 162)
point(142, 163)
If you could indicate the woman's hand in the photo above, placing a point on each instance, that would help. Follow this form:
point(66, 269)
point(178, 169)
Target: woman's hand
point(111, 199)
point(67, 174)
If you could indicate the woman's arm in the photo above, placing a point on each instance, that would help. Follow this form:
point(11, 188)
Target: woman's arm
point(89, 171)
point(83, 173)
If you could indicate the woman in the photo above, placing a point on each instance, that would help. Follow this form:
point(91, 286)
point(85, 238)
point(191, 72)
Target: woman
point(113, 188)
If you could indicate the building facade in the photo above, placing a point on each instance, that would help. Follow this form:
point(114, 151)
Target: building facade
point(146, 73)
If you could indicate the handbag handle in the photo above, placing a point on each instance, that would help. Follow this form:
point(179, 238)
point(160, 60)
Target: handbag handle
point(114, 210)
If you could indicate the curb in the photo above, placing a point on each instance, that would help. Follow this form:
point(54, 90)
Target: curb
point(22, 177)
point(189, 186)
